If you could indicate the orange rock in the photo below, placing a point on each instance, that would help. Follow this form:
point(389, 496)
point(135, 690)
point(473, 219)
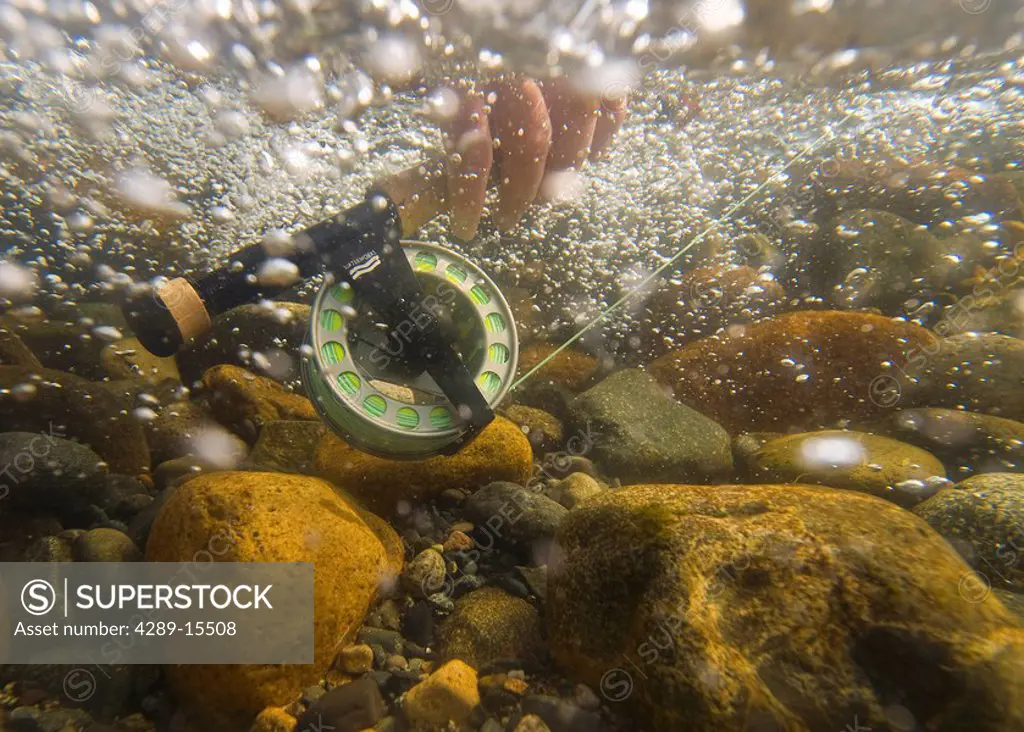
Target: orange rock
point(803, 370)
point(706, 299)
point(570, 368)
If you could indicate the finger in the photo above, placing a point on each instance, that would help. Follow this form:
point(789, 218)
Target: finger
point(522, 132)
point(573, 120)
point(470, 155)
point(610, 116)
point(419, 193)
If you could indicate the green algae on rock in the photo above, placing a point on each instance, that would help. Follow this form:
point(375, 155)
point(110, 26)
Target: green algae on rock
point(798, 607)
point(640, 433)
point(490, 625)
point(802, 370)
point(265, 517)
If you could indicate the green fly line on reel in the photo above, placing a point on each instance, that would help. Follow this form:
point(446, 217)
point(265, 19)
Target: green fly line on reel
point(360, 380)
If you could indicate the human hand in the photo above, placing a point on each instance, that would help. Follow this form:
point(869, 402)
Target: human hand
point(521, 130)
point(514, 133)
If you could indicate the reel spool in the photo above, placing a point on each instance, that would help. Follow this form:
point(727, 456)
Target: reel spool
point(357, 370)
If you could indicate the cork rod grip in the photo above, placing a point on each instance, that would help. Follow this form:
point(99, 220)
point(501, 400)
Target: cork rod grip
point(185, 307)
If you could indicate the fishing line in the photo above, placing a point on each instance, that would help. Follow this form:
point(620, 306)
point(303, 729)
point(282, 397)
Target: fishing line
point(699, 238)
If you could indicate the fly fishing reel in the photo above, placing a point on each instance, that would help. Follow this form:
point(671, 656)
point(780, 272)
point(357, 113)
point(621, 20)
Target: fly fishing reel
point(409, 349)
point(410, 346)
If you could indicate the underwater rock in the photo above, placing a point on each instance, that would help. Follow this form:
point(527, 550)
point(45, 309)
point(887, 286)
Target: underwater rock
point(355, 659)
point(274, 719)
point(1013, 601)
point(244, 401)
point(425, 574)
point(273, 330)
point(449, 694)
point(924, 192)
point(802, 370)
point(638, 432)
point(62, 346)
point(967, 442)
point(20, 532)
point(790, 606)
point(187, 429)
point(857, 461)
point(500, 452)
point(490, 625)
point(49, 549)
point(351, 707)
point(270, 518)
point(46, 473)
point(109, 699)
point(105, 545)
point(543, 430)
point(573, 489)
point(561, 715)
point(705, 299)
point(13, 351)
point(286, 445)
point(129, 359)
point(881, 260)
point(515, 516)
point(992, 310)
point(570, 369)
point(977, 372)
point(57, 403)
point(984, 518)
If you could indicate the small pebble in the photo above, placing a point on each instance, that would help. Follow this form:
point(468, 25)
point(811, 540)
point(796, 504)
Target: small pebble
point(355, 659)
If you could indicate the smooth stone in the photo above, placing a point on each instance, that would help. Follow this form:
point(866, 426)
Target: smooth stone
point(187, 430)
point(570, 369)
point(391, 487)
point(976, 372)
point(44, 472)
point(71, 407)
point(274, 719)
point(356, 659)
point(704, 300)
point(561, 715)
point(967, 442)
point(418, 623)
point(640, 433)
point(425, 574)
point(509, 514)
point(984, 517)
point(275, 330)
point(271, 518)
point(244, 402)
point(347, 708)
point(575, 488)
point(490, 625)
point(105, 545)
point(286, 446)
point(802, 370)
point(129, 359)
point(880, 260)
point(543, 430)
point(449, 694)
point(856, 461)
